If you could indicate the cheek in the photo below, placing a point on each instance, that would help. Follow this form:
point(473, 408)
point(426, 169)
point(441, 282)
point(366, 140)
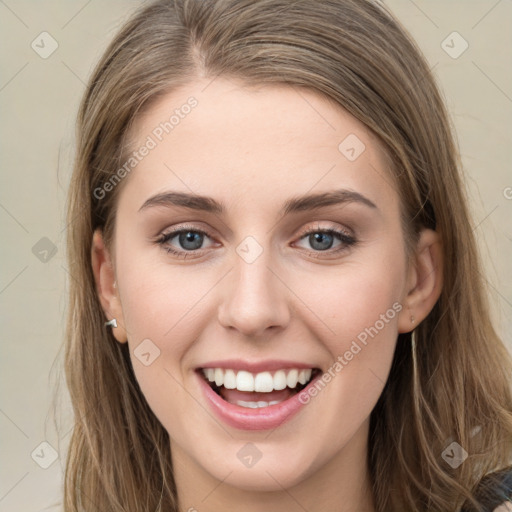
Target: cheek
point(363, 315)
point(160, 305)
point(161, 300)
point(160, 332)
point(352, 297)
point(359, 306)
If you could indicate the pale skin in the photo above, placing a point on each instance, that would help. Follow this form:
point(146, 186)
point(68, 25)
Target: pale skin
point(252, 150)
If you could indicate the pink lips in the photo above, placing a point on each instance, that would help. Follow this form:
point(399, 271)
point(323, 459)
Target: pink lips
point(245, 418)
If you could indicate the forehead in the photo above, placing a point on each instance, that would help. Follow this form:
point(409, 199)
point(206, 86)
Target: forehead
point(254, 147)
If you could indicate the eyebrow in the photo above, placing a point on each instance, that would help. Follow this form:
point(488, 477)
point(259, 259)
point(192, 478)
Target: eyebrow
point(293, 205)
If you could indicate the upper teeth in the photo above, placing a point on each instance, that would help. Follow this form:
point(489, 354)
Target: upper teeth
point(261, 382)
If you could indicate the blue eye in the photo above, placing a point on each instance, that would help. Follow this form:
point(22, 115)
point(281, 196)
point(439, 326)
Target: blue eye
point(194, 238)
point(322, 240)
point(189, 241)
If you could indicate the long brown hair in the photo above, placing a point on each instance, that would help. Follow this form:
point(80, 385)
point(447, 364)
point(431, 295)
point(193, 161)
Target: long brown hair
point(451, 385)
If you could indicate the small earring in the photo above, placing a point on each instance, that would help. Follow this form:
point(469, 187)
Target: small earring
point(412, 319)
point(413, 350)
point(112, 323)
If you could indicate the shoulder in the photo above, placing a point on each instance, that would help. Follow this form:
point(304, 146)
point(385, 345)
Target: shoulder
point(494, 492)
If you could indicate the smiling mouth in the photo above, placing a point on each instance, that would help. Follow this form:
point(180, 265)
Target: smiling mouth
point(257, 390)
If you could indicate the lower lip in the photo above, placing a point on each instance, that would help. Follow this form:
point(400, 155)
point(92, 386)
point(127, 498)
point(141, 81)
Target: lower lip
point(245, 418)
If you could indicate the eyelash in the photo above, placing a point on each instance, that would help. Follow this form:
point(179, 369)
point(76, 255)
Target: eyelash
point(346, 239)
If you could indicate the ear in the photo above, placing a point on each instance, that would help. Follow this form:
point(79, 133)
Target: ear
point(104, 276)
point(424, 282)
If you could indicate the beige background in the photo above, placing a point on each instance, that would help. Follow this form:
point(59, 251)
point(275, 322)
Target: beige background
point(38, 102)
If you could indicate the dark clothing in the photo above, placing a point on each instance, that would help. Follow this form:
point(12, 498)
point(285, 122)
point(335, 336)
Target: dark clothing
point(493, 490)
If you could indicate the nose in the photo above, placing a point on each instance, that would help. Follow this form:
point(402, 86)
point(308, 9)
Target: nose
point(255, 298)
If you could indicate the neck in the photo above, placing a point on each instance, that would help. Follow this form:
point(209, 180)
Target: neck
point(341, 484)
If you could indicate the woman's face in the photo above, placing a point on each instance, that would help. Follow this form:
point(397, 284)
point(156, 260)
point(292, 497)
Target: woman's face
point(263, 284)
